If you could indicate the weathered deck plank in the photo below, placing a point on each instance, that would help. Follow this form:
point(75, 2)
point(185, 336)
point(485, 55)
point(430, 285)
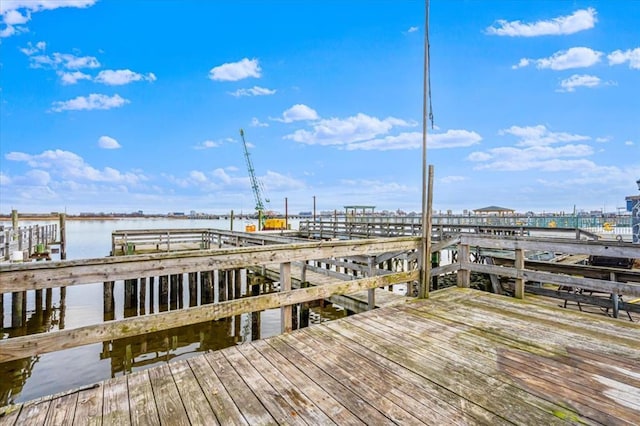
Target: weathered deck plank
point(460, 357)
point(219, 400)
point(142, 403)
point(248, 403)
point(167, 398)
point(305, 407)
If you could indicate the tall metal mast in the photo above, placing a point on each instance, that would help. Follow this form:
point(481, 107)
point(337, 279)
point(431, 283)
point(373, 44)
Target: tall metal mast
point(256, 186)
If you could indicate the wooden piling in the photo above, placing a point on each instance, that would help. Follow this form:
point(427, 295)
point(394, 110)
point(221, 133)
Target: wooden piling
point(163, 293)
point(143, 296)
point(151, 294)
point(222, 286)
point(193, 288)
point(63, 236)
point(107, 300)
point(16, 308)
point(63, 308)
point(173, 292)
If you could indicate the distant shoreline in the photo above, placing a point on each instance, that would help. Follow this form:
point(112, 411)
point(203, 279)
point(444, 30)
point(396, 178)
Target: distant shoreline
point(33, 217)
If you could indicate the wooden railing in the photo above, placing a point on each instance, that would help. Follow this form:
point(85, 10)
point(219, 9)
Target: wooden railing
point(26, 239)
point(41, 275)
point(38, 276)
point(613, 281)
point(324, 229)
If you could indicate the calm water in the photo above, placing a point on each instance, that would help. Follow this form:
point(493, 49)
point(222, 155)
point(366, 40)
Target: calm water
point(30, 378)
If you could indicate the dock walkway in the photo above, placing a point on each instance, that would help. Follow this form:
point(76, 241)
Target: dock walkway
point(460, 357)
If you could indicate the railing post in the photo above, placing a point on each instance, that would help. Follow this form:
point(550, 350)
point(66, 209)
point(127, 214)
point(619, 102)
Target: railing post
point(371, 293)
point(285, 285)
point(464, 274)
point(614, 297)
point(519, 265)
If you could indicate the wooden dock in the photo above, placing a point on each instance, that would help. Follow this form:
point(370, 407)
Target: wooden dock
point(460, 357)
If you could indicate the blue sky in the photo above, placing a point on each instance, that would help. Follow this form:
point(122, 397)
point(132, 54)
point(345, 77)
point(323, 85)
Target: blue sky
point(119, 106)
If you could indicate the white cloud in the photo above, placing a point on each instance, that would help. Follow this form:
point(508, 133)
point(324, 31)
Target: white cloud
point(540, 136)
point(13, 17)
point(543, 158)
point(579, 80)
point(630, 55)
point(207, 145)
point(121, 77)
point(575, 57)
point(603, 139)
point(335, 131)
point(254, 91)
point(39, 177)
point(413, 140)
point(580, 20)
point(257, 123)
point(107, 142)
point(5, 179)
point(198, 176)
point(63, 60)
point(235, 71)
point(534, 151)
point(68, 165)
point(298, 112)
point(452, 179)
point(93, 101)
point(68, 78)
point(32, 49)
point(629, 143)
point(412, 29)
point(15, 13)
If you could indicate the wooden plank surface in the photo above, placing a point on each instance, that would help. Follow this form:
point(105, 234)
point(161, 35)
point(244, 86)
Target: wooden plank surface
point(89, 406)
point(460, 357)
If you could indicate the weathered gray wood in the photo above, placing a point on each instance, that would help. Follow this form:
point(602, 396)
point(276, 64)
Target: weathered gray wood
point(15, 277)
point(285, 285)
point(519, 265)
point(353, 402)
point(442, 401)
point(275, 403)
point(631, 289)
point(464, 274)
point(469, 384)
point(62, 410)
point(563, 389)
point(595, 300)
point(592, 248)
point(21, 347)
point(142, 404)
point(33, 413)
point(170, 407)
point(9, 414)
point(225, 409)
point(89, 406)
point(301, 383)
point(194, 400)
point(363, 378)
point(304, 406)
point(244, 398)
point(115, 405)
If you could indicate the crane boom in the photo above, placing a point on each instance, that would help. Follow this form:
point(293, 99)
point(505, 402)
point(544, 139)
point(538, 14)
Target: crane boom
point(256, 186)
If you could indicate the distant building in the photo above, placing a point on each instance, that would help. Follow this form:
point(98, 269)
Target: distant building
point(494, 211)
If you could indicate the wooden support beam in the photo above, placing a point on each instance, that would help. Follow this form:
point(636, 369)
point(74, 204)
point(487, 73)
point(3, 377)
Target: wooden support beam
point(519, 264)
point(285, 285)
point(464, 274)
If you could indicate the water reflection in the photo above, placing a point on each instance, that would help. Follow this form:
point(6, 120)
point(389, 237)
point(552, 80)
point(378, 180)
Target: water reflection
point(44, 311)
